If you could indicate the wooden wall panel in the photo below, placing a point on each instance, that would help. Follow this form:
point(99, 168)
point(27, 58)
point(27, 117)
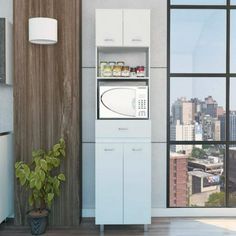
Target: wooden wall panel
point(47, 99)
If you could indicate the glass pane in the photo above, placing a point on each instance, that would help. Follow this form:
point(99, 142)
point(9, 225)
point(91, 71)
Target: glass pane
point(197, 108)
point(233, 41)
point(233, 2)
point(232, 116)
point(198, 41)
point(197, 176)
point(198, 2)
point(232, 175)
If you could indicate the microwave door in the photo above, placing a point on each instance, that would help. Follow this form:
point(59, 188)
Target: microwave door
point(117, 102)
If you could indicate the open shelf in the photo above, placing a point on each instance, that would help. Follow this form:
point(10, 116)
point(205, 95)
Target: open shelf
point(122, 78)
point(132, 57)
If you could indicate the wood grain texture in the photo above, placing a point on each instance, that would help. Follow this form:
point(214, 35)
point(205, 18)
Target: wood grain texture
point(47, 100)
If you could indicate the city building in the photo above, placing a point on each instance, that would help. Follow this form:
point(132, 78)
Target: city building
point(232, 170)
point(232, 123)
point(211, 165)
point(210, 107)
point(182, 133)
point(201, 186)
point(183, 110)
point(211, 128)
point(220, 111)
point(178, 180)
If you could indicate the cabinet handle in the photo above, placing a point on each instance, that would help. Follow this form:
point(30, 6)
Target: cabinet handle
point(109, 149)
point(109, 40)
point(137, 149)
point(136, 40)
point(123, 129)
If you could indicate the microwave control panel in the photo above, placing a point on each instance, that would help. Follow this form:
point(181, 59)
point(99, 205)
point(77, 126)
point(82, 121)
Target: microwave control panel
point(142, 102)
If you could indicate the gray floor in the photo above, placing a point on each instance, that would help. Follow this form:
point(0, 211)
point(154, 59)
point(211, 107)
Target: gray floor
point(159, 227)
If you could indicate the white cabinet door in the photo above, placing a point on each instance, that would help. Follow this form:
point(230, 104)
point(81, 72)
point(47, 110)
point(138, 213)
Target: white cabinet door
point(6, 177)
point(136, 28)
point(109, 27)
point(137, 183)
point(10, 176)
point(109, 183)
point(3, 180)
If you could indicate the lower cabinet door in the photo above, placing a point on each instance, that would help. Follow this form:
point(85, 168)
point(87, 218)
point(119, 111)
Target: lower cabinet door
point(109, 183)
point(6, 177)
point(137, 183)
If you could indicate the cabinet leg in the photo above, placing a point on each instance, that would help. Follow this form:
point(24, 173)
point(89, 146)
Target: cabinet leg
point(101, 228)
point(145, 228)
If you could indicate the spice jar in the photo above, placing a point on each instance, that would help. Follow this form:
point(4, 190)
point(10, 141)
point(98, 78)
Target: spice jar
point(140, 70)
point(112, 64)
point(120, 63)
point(133, 72)
point(125, 71)
point(107, 71)
point(117, 71)
point(102, 64)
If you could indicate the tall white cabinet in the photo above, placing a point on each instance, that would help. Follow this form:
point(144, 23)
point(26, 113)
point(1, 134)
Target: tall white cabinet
point(123, 142)
point(6, 177)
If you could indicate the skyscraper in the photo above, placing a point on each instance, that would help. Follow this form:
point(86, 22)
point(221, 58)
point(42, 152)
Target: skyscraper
point(232, 126)
point(211, 107)
point(181, 132)
point(232, 122)
point(183, 111)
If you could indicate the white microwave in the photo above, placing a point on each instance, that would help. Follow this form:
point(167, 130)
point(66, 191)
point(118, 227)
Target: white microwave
point(123, 102)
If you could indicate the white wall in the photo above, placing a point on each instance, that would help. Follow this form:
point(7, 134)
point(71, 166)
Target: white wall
point(6, 9)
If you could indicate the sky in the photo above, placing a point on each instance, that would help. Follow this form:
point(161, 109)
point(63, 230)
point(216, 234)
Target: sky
point(198, 45)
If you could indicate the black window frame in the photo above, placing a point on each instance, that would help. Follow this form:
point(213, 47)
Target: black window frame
point(227, 75)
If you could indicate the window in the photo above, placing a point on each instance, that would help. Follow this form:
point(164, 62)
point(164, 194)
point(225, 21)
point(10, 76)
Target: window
point(202, 103)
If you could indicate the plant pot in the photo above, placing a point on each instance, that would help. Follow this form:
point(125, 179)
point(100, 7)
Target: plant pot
point(38, 221)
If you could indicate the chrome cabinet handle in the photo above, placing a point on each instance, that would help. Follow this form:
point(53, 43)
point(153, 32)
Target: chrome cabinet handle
point(137, 149)
point(136, 40)
point(109, 149)
point(109, 40)
point(123, 129)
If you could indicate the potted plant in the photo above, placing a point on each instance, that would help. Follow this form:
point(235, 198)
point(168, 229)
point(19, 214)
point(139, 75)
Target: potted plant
point(43, 182)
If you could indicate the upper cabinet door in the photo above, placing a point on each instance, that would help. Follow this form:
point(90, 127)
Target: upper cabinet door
point(6, 52)
point(137, 28)
point(109, 27)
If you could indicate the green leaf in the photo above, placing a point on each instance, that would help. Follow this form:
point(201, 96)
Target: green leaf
point(18, 172)
point(63, 153)
point(50, 197)
point(43, 164)
point(56, 184)
point(22, 180)
point(61, 177)
point(57, 153)
point(56, 162)
point(56, 147)
point(38, 184)
point(42, 175)
point(32, 183)
point(17, 164)
point(26, 170)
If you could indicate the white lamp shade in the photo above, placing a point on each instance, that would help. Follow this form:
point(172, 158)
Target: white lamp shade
point(42, 30)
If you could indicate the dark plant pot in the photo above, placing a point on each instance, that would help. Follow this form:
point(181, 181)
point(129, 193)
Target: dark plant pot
point(38, 222)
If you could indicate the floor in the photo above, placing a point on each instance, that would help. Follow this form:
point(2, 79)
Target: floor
point(159, 227)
